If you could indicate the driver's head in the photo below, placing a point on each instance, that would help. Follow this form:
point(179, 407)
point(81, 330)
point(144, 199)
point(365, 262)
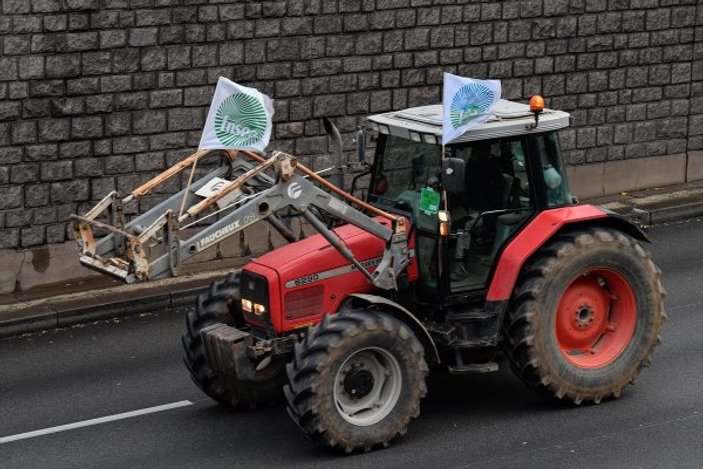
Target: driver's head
point(481, 151)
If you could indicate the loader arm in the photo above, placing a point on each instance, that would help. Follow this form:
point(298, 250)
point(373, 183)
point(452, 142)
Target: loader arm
point(129, 246)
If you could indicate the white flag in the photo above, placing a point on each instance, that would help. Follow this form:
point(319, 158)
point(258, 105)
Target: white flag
point(239, 119)
point(466, 103)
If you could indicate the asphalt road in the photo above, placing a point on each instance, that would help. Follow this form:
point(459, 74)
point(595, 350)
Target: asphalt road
point(100, 370)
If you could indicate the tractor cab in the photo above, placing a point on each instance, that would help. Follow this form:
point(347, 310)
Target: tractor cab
point(489, 183)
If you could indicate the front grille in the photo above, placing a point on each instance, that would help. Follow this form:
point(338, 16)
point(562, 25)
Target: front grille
point(304, 302)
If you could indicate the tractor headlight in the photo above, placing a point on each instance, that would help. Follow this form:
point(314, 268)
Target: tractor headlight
point(255, 298)
point(250, 307)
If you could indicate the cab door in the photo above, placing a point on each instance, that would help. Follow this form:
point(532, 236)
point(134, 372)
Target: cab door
point(405, 170)
point(497, 199)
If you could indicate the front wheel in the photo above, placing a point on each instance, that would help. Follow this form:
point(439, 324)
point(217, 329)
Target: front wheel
point(356, 380)
point(221, 304)
point(585, 316)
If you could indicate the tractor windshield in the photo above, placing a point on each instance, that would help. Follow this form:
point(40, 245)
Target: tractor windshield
point(405, 174)
point(405, 171)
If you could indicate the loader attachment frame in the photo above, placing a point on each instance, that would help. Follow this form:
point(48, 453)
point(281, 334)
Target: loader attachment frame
point(124, 252)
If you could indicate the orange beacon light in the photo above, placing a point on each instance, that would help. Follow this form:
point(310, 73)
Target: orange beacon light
point(536, 107)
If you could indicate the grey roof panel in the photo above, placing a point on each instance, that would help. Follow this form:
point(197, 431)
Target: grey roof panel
point(508, 118)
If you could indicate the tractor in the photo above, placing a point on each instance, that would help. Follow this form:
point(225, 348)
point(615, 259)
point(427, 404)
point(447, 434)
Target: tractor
point(460, 258)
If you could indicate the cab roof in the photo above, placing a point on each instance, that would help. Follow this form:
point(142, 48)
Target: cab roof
point(508, 118)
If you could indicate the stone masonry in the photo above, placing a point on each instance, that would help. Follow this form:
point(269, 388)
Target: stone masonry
point(98, 95)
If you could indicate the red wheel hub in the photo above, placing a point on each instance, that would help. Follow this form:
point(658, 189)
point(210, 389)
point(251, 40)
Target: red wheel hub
point(596, 318)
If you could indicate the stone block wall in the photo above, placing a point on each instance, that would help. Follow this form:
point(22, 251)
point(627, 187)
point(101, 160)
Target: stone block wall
point(103, 94)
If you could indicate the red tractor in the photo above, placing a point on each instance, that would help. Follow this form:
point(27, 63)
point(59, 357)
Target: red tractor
point(475, 251)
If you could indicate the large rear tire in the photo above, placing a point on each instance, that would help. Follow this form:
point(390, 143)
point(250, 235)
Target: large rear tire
point(220, 304)
point(585, 316)
point(356, 380)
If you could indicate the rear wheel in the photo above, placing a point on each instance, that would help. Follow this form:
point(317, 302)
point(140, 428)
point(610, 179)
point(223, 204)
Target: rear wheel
point(356, 380)
point(585, 316)
point(220, 304)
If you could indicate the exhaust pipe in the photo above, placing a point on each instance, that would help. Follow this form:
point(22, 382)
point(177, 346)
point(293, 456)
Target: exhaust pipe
point(361, 145)
point(337, 175)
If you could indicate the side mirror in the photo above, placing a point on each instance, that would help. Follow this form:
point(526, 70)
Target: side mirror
point(361, 145)
point(453, 174)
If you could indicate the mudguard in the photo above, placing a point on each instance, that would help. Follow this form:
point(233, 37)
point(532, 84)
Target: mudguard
point(539, 231)
point(405, 316)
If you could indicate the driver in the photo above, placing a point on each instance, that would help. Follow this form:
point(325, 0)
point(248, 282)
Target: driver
point(485, 184)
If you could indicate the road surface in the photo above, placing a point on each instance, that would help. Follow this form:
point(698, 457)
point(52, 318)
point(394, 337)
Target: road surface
point(128, 375)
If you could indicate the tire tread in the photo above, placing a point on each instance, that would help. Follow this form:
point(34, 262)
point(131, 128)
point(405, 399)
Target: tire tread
point(523, 312)
point(302, 392)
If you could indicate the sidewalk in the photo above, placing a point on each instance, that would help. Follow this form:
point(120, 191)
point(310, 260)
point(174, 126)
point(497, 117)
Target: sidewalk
point(97, 298)
point(64, 305)
point(657, 205)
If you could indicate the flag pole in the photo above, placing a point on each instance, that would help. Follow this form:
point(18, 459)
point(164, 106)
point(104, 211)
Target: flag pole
point(444, 191)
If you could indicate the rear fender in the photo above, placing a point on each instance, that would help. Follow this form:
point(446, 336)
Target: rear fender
point(400, 313)
point(539, 231)
point(614, 221)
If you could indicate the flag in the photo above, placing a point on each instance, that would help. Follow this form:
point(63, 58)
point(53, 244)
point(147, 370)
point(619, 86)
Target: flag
point(239, 119)
point(466, 103)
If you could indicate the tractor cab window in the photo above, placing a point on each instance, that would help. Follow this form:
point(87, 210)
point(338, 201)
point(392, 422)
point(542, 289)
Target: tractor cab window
point(403, 171)
point(553, 172)
point(496, 200)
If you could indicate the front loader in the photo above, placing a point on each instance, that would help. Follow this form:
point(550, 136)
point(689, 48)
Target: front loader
point(457, 257)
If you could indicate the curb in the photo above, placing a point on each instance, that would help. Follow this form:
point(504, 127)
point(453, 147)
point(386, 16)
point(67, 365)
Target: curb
point(668, 214)
point(93, 305)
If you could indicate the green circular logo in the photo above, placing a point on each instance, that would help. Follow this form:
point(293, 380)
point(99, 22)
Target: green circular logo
point(240, 120)
point(469, 103)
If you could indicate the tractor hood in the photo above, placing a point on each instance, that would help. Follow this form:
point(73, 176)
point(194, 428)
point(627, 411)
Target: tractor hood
point(315, 254)
point(310, 278)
